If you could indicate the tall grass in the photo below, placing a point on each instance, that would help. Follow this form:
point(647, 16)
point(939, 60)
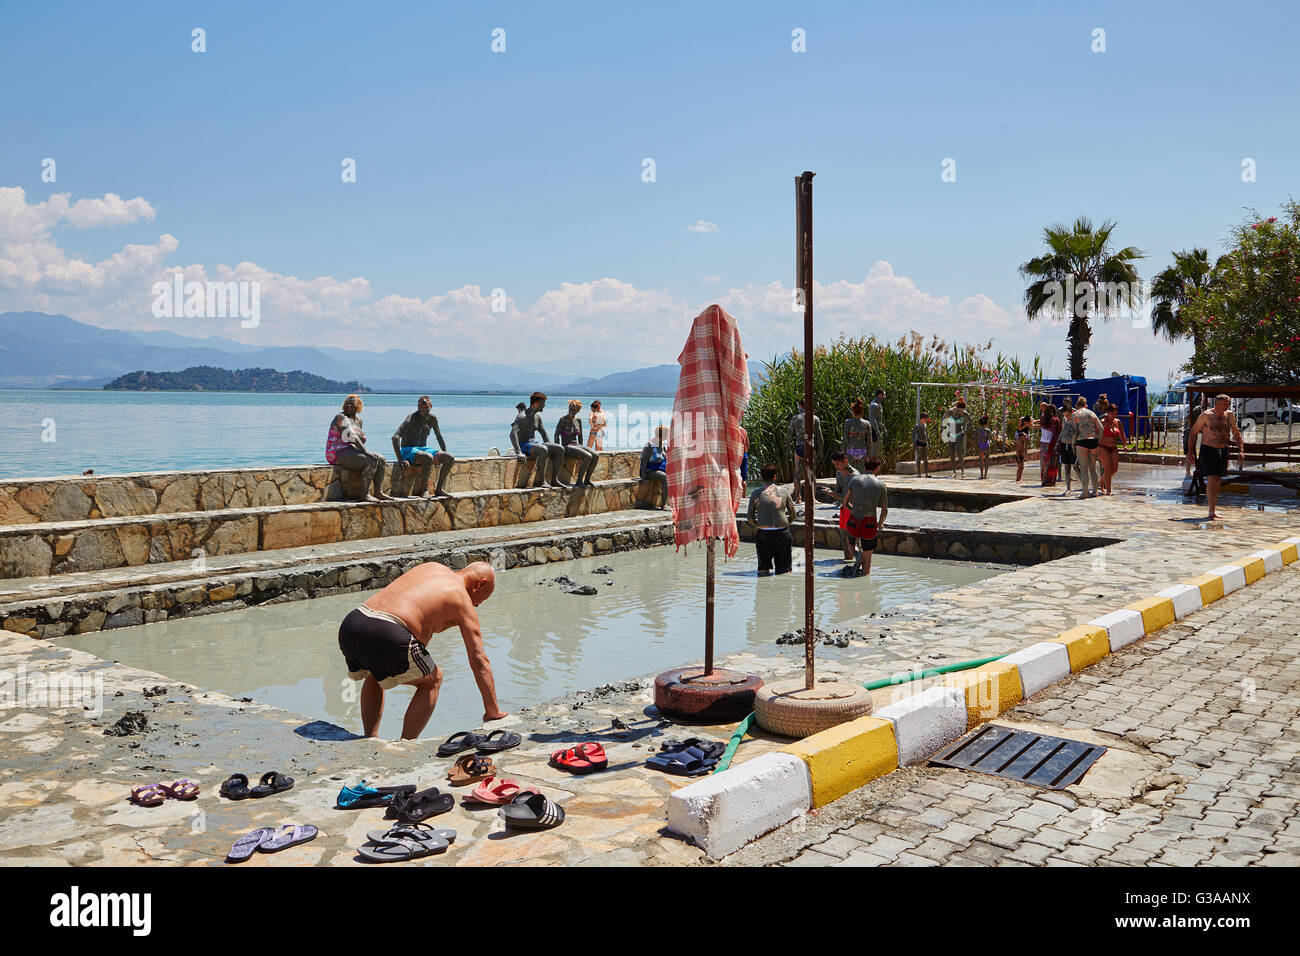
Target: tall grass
point(853, 368)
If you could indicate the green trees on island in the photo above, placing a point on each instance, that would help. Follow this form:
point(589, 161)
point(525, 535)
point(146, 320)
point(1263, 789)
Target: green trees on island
point(209, 378)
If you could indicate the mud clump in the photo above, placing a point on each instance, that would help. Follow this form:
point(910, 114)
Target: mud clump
point(580, 589)
point(828, 638)
point(157, 690)
point(131, 723)
point(603, 569)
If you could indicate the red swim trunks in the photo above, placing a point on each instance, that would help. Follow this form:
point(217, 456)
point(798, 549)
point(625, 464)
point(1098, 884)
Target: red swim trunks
point(864, 528)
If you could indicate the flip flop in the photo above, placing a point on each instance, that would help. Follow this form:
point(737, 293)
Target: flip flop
point(463, 740)
point(498, 741)
point(689, 762)
point(470, 768)
point(538, 812)
point(289, 834)
point(711, 749)
point(411, 831)
point(495, 792)
point(272, 782)
point(182, 789)
point(421, 806)
point(584, 758)
point(395, 850)
point(236, 787)
point(148, 795)
point(247, 844)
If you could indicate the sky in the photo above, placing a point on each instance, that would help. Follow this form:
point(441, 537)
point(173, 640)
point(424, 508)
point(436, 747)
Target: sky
point(503, 209)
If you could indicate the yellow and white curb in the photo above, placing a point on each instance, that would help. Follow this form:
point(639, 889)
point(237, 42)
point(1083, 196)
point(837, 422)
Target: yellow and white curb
point(723, 812)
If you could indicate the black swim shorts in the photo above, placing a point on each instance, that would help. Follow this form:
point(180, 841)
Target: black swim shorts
point(1213, 461)
point(378, 645)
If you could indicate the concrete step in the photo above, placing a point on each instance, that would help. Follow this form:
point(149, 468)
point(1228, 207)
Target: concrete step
point(97, 600)
point(63, 547)
point(25, 501)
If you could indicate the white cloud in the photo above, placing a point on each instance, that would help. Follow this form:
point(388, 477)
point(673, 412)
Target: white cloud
point(701, 226)
point(604, 316)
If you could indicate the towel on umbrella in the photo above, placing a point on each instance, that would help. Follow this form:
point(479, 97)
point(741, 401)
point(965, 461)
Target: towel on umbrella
point(706, 440)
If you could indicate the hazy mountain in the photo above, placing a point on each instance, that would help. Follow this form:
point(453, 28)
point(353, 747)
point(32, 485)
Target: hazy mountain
point(656, 380)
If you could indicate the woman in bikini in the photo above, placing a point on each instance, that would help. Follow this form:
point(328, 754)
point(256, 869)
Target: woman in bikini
point(1112, 433)
point(596, 437)
point(345, 447)
point(857, 435)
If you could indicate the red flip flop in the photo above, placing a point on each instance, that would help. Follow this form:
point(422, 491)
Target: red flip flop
point(584, 758)
point(495, 792)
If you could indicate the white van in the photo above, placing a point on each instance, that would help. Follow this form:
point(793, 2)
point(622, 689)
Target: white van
point(1265, 411)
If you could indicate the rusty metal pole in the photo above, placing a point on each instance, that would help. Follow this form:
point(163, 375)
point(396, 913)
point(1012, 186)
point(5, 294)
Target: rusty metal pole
point(810, 411)
point(711, 549)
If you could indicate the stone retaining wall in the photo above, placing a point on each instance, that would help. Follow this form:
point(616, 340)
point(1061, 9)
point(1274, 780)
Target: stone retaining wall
point(82, 613)
point(42, 549)
point(32, 500)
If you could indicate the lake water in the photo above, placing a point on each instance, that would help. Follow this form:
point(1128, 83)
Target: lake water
point(647, 616)
point(48, 433)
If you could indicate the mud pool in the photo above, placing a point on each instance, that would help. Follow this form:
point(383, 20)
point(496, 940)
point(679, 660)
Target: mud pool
point(646, 616)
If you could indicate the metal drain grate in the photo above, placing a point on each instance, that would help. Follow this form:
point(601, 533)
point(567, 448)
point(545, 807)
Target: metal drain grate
point(1050, 762)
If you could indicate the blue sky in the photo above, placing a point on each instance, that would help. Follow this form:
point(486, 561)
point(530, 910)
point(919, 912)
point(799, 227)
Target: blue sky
point(522, 170)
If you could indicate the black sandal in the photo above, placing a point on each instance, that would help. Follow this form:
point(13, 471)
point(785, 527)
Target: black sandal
point(420, 806)
point(272, 782)
point(236, 787)
point(458, 742)
point(498, 741)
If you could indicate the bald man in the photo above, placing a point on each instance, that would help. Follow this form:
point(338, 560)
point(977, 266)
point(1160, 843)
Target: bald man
point(385, 641)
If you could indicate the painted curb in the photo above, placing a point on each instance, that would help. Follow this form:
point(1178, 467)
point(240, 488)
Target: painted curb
point(723, 812)
point(1186, 599)
point(1040, 665)
point(1122, 627)
point(844, 757)
point(927, 722)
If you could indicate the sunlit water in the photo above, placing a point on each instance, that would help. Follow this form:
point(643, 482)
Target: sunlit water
point(542, 642)
point(47, 433)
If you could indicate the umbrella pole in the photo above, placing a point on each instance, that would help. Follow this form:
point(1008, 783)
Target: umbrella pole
point(810, 411)
point(711, 549)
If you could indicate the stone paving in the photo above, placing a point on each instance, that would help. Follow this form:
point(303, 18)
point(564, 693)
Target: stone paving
point(62, 782)
point(1203, 722)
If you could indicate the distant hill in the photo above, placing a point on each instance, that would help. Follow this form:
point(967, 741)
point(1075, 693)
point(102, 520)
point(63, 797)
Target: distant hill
point(655, 380)
point(207, 378)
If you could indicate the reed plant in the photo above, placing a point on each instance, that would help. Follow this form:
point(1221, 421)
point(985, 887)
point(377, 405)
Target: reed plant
point(854, 368)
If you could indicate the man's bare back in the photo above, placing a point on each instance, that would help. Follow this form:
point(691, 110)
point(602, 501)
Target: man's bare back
point(428, 598)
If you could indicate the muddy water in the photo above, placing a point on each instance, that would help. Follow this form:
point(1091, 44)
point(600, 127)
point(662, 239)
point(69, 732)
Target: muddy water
point(646, 616)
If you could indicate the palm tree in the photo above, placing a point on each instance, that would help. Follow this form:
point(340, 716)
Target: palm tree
point(1172, 288)
point(1081, 277)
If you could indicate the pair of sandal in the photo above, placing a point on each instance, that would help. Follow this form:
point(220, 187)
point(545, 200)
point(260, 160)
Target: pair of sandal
point(267, 840)
point(236, 786)
point(498, 792)
point(584, 758)
point(155, 794)
point(685, 760)
point(493, 743)
point(470, 768)
point(363, 796)
point(406, 841)
point(417, 807)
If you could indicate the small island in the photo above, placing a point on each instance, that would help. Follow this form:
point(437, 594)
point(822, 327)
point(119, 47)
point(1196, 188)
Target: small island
point(209, 378)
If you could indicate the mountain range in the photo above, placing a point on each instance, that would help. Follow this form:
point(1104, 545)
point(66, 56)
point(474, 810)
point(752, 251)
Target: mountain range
point(40, 350)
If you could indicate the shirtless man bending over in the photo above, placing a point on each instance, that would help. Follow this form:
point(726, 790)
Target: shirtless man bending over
point(384, 641)
point(1214, 426)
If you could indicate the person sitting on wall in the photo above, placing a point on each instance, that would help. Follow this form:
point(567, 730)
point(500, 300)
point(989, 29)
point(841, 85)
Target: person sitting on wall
point(345, 447)
point(568, 432)
point(654, 464)
point(385, 641)
point(523, 436)
point(411, 443)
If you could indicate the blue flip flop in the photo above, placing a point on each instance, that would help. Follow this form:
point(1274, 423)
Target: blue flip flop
point(688, 762)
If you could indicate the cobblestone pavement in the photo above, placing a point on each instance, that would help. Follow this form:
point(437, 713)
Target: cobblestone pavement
point(1203, 770)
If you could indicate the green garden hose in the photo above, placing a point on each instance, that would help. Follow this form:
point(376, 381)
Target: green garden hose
point(901, 678)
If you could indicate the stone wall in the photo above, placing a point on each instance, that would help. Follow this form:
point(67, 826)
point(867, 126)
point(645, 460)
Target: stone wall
point(38, 550)
point(26, 501)
point(103, 610)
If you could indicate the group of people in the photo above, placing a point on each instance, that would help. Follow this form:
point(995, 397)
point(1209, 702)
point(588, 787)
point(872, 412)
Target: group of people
point(345, 448)
point(1074, 441)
